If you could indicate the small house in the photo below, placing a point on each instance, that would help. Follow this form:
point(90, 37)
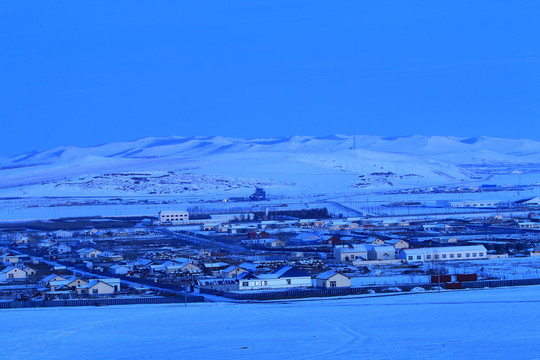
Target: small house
point(332, 279)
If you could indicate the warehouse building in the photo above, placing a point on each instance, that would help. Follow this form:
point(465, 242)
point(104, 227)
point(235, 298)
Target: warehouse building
point(450, 253)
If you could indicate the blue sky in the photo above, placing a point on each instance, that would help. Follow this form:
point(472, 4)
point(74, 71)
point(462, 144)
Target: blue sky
point(90, 72)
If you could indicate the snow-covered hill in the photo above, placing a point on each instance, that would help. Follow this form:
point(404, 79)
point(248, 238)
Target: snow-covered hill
point(220, 166)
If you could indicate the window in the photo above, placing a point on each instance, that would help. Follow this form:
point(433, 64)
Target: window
point(451, 256)
point(459, 255)
point(474, 254)
point(436, 256)
point(10, 276)
point(264, 282)
point(444, 256)
point(481, 254)
point(410, 257)
point(94, 291)
point(467, 254)
point(333, 284)
point(245, 283)
point(256, 283)
point(288, 281)
point(418, 257)
point(428, 257)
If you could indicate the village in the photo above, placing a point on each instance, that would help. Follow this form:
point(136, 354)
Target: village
point(282, 253)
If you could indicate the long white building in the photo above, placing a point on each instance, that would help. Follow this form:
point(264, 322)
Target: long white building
point(450, 253)
point(284, 278)
point(173, 216)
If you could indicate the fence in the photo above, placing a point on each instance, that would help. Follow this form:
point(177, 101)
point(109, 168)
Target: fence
point(101, 302)
point(305, 293)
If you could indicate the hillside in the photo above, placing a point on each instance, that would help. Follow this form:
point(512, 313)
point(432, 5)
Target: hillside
point(220, 166)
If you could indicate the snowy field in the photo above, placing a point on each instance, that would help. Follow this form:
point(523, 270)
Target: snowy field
point(480, 324)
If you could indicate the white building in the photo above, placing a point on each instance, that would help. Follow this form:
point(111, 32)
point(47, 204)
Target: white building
point(529, 225)
point(332, 279)
point(475, 204)
point(62, 234)
point(173, 216)
point(284, 278)
point(16, 272)
point(382, 253)
point(96, 287)
point(352, 252)
point(88, 253)
point(451, 253)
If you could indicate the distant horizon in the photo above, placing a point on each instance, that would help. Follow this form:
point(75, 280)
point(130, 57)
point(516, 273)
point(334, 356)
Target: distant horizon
point(383, 137)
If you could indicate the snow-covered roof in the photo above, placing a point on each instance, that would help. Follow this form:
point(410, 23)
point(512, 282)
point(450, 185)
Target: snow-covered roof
point(50, 277)
point(328, 274)
point(447, 249)
point(383, 249)
point(354, 248)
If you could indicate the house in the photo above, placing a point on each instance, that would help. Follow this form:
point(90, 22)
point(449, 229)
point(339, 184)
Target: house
point(308, 238)
point(332, 279)
point(398, 244)
point(9, 259)
point(450, 240)
point(339, 225)
point(476, 204)
point(185, 267)
point(430, 227)
point(265, 242)
point(529, 225)
point(332, 240)
point(239, 229)
point(209, 227)
point(351, 252)
point(110, 256)
point(74, 281)
point(217, 266)
point(451, 253)
point(88, 253)
point(21, 240)
point(204, 254)
point(141, 262)
point(173, 216)
point(67, 284)
point(63, 249)
point(274, 243)
point(259, 235)
point(95, 287)
point(91, 232)
point(217, 284)
point(378, 242)
point(233, 272)
point(114, 282)
point(62, 234)
point(16, 272)
point(382, 253)
point(309, 223)
point(120, 269)
point(12, 273)
point(283, 278)
point(47, 279)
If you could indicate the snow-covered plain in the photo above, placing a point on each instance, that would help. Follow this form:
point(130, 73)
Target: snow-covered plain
point(479, 324)
point(295, 171)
